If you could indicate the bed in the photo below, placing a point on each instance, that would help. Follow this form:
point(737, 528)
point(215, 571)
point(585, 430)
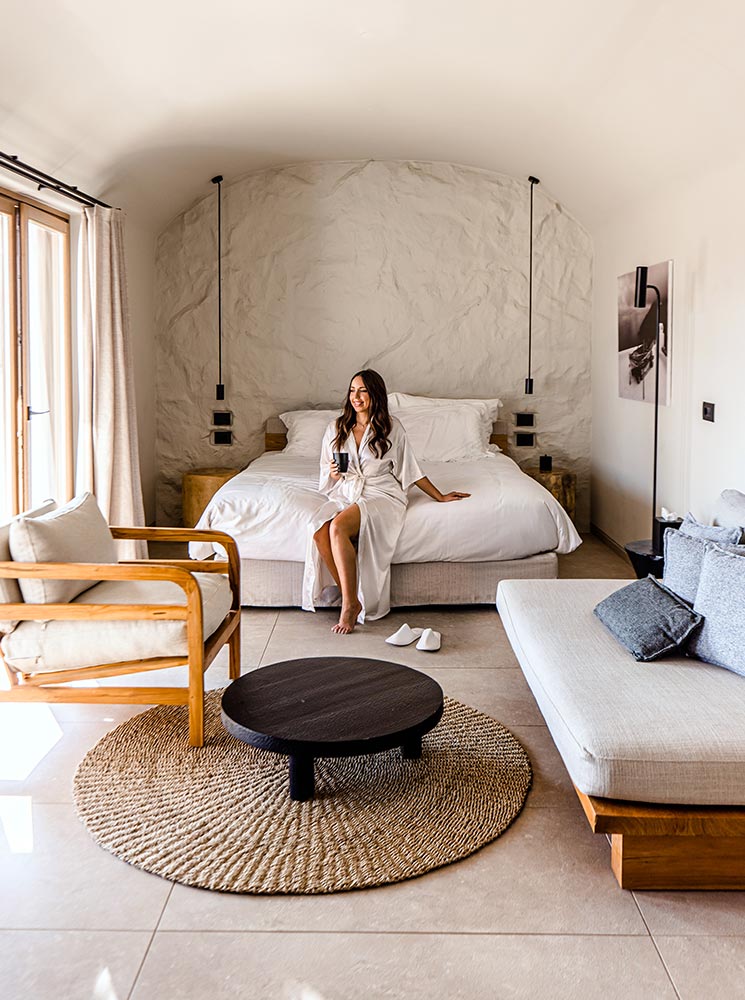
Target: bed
point(456, 553)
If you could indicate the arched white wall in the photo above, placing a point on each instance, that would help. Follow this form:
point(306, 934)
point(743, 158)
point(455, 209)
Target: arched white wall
point(419, 270)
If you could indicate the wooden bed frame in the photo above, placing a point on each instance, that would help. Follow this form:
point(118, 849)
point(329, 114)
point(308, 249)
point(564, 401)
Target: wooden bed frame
point(671, 847)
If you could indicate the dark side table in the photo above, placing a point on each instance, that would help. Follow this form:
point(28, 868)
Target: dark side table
point(331, 706)
point(643, 558)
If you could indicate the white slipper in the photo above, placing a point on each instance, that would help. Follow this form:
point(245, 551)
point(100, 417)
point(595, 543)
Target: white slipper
point(430, 641)
point(405, 636)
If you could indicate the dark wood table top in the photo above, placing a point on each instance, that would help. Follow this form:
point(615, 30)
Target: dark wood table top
point(332, 706)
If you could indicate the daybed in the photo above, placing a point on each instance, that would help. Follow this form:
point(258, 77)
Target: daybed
point(656, 750)
point(447, 553)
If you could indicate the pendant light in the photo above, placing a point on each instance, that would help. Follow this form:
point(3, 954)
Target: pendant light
point(219, 388)
point(529, 379)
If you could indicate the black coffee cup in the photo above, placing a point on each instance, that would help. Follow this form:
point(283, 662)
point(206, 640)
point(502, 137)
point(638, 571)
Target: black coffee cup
point(342, 460)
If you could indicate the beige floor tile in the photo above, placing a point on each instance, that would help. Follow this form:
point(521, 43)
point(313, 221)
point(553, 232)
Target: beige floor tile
point(399, 967)
point(705, 966)
point(548, 874)
point(54, 877)
point(552, 786)
point(50, 778)
point(595, 560)
point(502, 694)
point(70, 965)
point(692, 913)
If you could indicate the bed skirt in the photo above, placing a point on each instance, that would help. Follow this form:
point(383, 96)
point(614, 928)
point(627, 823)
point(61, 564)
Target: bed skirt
point(272, 584)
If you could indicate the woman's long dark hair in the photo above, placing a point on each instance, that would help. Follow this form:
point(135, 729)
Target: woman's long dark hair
point(380, 418)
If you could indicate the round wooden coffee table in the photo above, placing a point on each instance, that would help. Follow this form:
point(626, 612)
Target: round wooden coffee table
point(331, 706)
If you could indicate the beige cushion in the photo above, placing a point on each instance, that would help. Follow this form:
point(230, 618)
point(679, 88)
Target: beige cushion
point(76, 532)
point(66, 645)
point(10, 592)
point(669, 731)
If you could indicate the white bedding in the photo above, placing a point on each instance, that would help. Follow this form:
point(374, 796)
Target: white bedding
point(268, 506)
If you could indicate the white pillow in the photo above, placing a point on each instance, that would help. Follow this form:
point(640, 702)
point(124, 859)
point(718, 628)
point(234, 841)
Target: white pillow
point(730, 509)
point(486, 408)
point(77, 532)
point(10, 592)
point(443, 433)
point(305, 430)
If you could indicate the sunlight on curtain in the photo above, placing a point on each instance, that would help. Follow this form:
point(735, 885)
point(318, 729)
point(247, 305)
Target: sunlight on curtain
point(45, 365)
point(7, 453)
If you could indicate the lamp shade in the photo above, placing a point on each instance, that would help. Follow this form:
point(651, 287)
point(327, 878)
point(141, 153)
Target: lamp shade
point(640, 292)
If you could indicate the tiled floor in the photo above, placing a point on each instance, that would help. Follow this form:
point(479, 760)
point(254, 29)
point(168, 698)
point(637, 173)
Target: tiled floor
point(535, 914)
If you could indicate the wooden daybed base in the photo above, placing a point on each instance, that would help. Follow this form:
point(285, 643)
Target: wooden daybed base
point(671, 847)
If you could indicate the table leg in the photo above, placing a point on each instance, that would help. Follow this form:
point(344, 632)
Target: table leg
point(302, 784)
point(412, 749)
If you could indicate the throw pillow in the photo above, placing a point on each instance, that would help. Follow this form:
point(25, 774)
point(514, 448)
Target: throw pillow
point(10, 592)
point(710, 532)
point(305, 430)
point(684, 556)
point(721, 600)
point(77, 532)
point(730, 509)
point(647, 618)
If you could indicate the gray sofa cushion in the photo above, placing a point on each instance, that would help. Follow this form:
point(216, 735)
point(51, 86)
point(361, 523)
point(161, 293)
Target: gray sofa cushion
point(669, 731)
point(10, 592)
point(709, 532)
point(721, 600)
point(647, 618)
point(684, 556)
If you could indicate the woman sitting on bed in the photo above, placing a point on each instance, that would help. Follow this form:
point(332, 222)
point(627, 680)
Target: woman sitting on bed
point(366, 505)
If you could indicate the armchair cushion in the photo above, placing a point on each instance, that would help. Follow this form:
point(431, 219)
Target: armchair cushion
point(10, 592)
point(66, 645)
point(76, 532)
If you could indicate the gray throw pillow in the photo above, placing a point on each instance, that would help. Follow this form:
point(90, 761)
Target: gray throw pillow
point(730, 509)
point(710, 532)
point(721, 600)
point(684, 557)
point(647, 618)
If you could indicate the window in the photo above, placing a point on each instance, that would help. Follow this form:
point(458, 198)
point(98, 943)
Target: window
point(35, 361)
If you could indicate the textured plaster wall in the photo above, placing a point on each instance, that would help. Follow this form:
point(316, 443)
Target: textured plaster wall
point(419, 270)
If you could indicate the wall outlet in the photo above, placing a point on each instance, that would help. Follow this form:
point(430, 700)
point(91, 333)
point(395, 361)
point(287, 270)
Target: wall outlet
point(525, 420)
point(523, 439)
point(708, 412)
point(222, 437)
point(222, 418)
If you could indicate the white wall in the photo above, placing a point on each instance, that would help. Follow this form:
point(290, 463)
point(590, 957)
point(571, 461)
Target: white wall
point(700, 226)
point(416, 269)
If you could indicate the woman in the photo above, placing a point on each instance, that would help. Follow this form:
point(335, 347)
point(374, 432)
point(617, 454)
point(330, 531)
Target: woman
point(366, 505)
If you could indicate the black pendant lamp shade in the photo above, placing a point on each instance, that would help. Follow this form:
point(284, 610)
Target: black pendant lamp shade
point(219, 388)
point(529, 379)
point(640, 291)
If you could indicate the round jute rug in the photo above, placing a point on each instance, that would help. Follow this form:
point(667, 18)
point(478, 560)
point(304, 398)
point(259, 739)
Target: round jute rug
point(220, 817)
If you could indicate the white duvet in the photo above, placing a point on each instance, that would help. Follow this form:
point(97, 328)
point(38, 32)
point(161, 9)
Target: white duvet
point(268, 506)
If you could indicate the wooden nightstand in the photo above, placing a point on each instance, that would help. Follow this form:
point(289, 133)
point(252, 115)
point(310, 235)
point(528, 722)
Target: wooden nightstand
point(198, 488)
point(560, 483)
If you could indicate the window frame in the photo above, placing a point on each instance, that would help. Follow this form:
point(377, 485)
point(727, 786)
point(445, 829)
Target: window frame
point(23, 210)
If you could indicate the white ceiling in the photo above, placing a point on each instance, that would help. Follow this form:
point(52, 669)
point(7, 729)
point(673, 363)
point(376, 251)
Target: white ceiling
point(145, 101)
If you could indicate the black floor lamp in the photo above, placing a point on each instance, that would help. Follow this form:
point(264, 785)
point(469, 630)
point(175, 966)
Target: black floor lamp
point(640, 302)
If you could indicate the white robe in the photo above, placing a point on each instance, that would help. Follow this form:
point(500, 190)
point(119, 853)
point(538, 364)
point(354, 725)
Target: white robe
point(378, 486)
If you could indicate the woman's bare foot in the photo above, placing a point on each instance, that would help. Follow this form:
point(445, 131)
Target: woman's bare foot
point(347, 619)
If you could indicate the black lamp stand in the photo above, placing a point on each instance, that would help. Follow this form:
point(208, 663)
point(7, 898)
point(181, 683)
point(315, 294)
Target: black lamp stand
point(640, 301)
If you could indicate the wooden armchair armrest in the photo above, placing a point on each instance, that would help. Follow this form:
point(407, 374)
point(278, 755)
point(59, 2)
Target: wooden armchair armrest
point(104, 571)
point(155, 534)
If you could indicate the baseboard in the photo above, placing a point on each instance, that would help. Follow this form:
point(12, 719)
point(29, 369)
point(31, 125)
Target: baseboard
point(607, 540)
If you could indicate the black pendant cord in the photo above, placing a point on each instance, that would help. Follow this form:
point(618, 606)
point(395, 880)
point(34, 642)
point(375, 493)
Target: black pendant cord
point(529, 379)
point(15, 166)
point(219, 388)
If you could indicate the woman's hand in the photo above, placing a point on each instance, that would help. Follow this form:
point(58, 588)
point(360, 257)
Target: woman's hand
point(453, 495)
point(334, 470)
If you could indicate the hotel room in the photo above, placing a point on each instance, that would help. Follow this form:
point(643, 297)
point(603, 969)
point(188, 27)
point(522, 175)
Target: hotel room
point(212, 218)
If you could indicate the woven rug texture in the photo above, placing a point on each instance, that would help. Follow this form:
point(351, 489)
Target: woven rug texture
point(220, 817)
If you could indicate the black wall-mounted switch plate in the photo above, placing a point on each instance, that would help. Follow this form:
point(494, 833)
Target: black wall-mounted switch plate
point(222, 437)
point(525, 420)
point(707, 411)
point(222, 418)
point(524, 440)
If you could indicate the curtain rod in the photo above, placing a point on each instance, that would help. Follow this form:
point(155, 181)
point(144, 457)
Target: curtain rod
point(16, 166)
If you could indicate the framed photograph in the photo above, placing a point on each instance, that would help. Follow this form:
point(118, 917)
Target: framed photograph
point(636, 336)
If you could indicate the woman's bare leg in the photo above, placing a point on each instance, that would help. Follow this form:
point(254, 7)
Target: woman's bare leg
point(344, 528)
point(323, 544)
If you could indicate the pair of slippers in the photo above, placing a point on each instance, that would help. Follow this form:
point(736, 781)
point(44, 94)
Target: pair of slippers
point(429, 640)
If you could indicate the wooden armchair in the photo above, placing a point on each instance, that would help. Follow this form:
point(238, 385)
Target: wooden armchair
point(47, 685)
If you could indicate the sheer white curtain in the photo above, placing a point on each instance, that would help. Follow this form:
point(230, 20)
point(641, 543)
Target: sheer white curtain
point(107, 453)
